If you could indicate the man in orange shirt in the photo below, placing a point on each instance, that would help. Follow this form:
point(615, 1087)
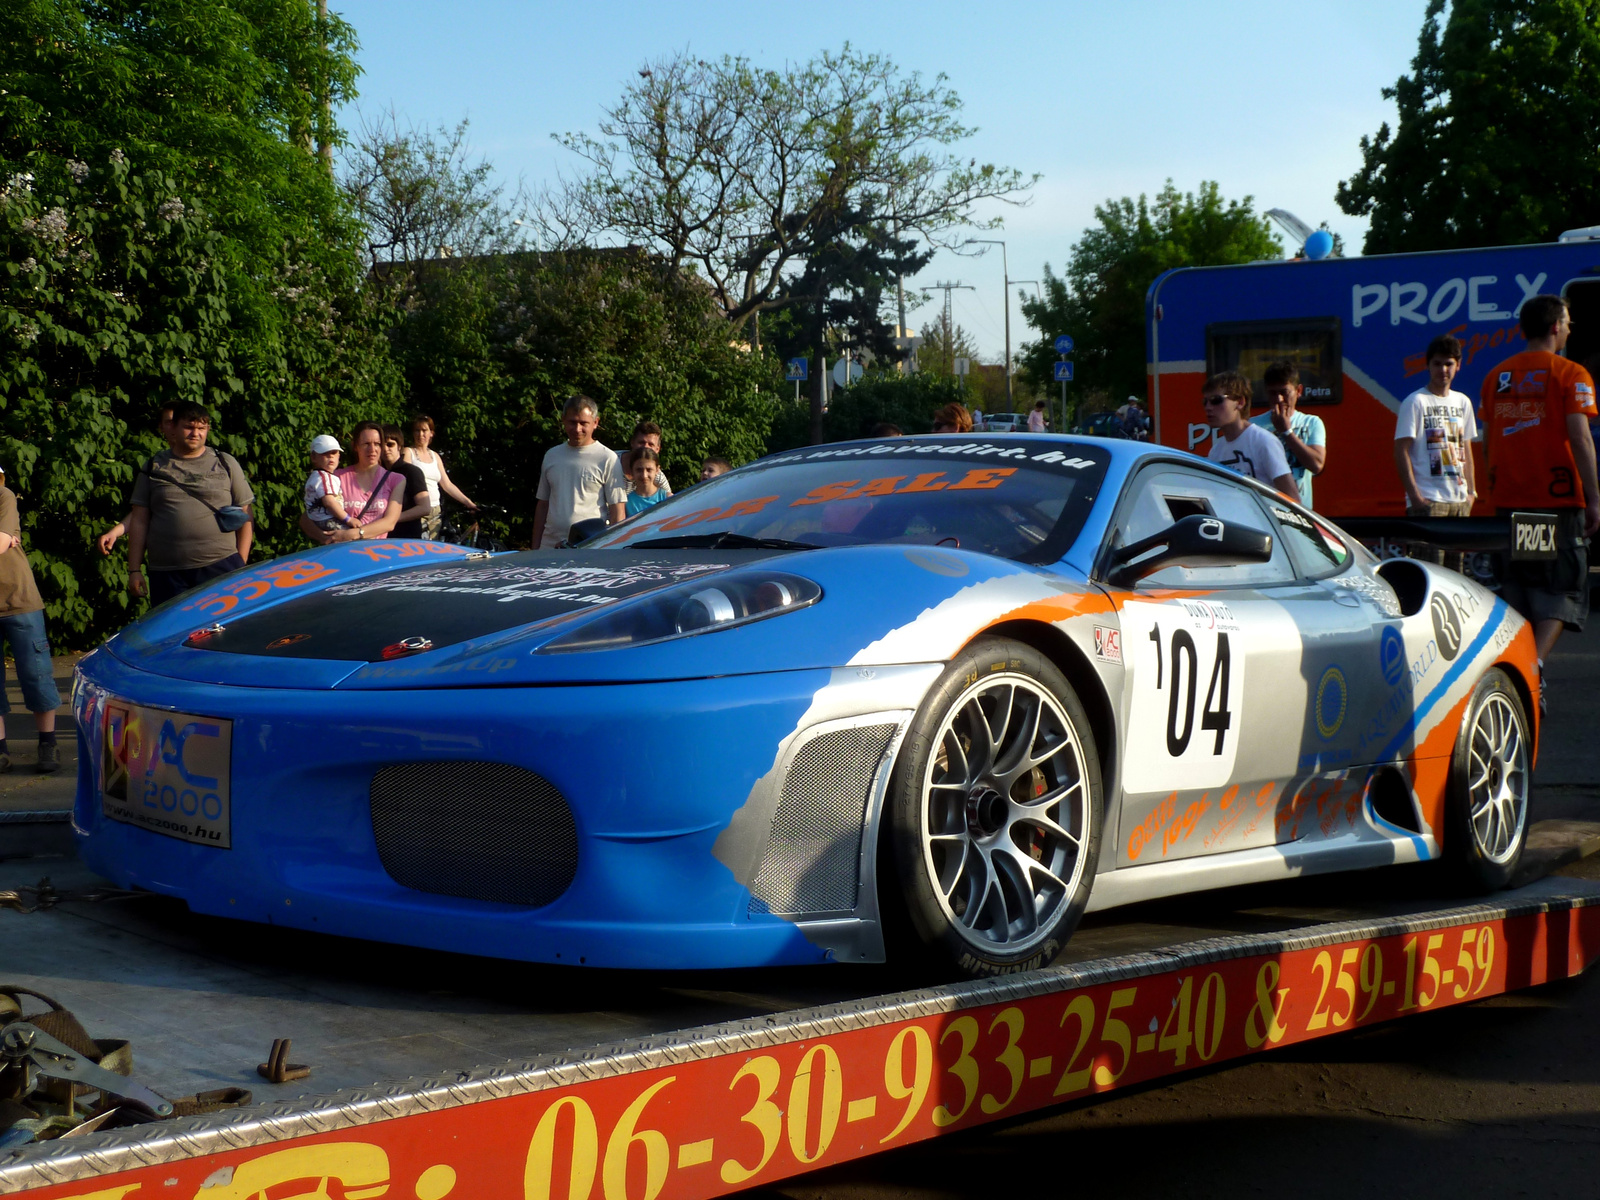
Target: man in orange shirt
point(1536, 410)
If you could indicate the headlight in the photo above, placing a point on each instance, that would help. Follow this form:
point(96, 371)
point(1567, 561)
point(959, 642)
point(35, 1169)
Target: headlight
point(736, 598)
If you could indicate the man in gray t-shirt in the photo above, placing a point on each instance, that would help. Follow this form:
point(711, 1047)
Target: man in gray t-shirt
point(579, 480)
point(173, 518)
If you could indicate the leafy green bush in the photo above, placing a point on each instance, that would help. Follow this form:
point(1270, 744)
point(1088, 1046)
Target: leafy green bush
point(115, 300)
point(908, 401)
point(493, 348)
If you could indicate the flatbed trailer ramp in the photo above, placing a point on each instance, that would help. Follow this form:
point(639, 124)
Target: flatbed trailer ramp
point(783, 1072)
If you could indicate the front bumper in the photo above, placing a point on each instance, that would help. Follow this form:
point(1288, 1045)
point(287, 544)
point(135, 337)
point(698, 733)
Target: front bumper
point(653, 774)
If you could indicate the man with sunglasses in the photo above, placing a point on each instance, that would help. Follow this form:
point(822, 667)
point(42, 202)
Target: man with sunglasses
point(1238, 445)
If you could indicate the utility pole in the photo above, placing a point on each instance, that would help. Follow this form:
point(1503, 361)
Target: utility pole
point(819, 395)
point(1005, 271)
point(949, 329)
point(1017, 283)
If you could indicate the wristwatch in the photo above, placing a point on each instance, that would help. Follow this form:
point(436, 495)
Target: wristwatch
point(361, 533)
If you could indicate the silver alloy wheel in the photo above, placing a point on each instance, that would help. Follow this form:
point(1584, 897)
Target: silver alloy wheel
point(1497, 783)
point(1006, 810)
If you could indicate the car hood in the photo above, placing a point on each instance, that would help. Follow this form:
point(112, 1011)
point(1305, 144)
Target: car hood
point(333, 619)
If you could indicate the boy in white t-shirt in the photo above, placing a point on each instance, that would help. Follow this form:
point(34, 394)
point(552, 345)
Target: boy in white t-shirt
point(324, 493)
point(1238, 445)
point(1433, 436)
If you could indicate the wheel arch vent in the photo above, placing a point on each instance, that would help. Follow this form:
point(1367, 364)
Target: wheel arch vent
point(812, 861)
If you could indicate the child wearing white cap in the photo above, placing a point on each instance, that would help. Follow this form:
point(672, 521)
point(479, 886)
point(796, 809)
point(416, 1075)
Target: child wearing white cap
point(324, 492)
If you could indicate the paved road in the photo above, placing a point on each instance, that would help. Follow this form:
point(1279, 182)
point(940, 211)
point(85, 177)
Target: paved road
point(1500, 1098)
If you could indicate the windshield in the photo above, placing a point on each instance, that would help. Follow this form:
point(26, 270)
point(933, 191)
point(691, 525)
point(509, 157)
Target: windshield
point(1022, 498)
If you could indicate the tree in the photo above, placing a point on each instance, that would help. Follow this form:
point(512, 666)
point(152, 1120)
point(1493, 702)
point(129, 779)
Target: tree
point(942, 345)
point(493, 347)
point(908, 401)
point(735, 172)
point(226, 97)
point(1495, 142)
point(837, 300)
point(169, 233)
point(420, 194)
point(1100, 298)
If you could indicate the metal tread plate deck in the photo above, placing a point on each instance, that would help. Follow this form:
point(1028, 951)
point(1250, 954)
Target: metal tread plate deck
point(705, 1111)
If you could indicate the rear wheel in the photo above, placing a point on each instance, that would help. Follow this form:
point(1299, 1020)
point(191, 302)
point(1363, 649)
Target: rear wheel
point(1487, 807)
point(996, 812)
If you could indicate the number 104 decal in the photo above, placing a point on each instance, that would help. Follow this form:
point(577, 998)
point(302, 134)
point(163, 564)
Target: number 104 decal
point(1187, 665)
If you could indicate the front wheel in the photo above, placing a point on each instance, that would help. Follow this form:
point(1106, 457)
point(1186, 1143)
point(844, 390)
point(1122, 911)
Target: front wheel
point(996, 811)
point(1487, 807)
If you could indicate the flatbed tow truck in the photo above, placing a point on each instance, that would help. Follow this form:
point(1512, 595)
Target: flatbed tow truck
point(437, 1076)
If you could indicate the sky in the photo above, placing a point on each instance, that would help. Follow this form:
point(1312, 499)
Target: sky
point(1101, 100)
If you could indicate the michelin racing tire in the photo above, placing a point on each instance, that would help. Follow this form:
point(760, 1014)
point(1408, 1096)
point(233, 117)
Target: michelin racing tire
point(995, 811)
point(1486, 807)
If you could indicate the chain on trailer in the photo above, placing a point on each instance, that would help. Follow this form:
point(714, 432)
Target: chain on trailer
point(705, 1112)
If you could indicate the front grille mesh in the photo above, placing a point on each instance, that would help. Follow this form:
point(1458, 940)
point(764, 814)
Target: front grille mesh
point(478, 830)
point(812, 857)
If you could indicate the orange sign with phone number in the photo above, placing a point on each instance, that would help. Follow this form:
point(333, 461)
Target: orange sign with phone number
point(705, 1126)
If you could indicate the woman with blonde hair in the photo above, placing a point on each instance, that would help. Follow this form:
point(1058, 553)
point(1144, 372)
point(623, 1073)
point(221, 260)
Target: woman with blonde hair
point(952, 418)
point(437, 478)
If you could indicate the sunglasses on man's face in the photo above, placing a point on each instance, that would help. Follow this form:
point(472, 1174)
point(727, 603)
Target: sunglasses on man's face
point(1208, 401)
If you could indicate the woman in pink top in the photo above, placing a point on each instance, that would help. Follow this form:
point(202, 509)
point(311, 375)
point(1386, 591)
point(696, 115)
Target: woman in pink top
point(371, 492)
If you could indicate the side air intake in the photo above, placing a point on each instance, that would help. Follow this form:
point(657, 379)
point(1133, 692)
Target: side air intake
point(812, 860)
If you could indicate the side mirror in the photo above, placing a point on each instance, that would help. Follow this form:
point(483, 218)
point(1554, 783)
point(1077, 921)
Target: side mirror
point(582, 531)
point(1195, 541)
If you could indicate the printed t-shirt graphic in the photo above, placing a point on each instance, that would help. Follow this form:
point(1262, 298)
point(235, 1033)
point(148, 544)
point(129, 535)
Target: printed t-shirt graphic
point(1526, 402)
point(1441, 429)
point(1255, 453)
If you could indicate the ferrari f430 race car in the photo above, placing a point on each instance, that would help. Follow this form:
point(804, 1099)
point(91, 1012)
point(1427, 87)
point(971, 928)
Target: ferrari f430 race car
point(962, 689)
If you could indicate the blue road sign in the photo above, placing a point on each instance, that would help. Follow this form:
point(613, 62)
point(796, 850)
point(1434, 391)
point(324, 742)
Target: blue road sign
point(1063, 372)
point(798, 368)
point(1064, 344)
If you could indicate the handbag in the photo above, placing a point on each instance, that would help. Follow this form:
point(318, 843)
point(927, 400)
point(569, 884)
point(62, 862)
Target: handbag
point(230, 518)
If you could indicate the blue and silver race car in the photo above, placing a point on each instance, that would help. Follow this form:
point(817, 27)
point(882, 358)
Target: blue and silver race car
point(939, 694)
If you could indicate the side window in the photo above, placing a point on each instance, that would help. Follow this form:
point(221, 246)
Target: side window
point(1161, 496)
point(1315, 549)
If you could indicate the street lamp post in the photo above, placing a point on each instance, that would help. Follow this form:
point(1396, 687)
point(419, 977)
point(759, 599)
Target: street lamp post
point(1005, 271)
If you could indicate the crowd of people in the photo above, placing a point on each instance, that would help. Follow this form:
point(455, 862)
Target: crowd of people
point(1539, 452)
point(189, 516)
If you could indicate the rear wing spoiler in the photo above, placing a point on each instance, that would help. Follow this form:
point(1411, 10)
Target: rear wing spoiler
point(1524, 535)
point(1446, 533)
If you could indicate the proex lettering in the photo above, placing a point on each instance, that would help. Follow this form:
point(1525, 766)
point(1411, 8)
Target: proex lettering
point(1415, 303)
point(1536, 538)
